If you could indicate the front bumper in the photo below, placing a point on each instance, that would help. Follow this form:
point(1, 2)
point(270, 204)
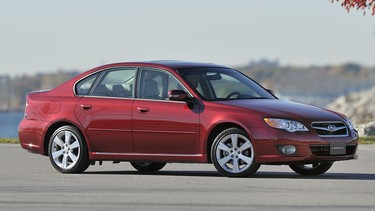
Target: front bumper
point(310, 148)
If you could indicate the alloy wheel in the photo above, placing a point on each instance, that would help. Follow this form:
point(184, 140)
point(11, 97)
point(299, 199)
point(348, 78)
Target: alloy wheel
point(65, 149)
point(233, 153)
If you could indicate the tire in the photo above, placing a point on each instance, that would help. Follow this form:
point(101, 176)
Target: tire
point(233, 154)
point(147, 166)
point(67, 150)
point(311, 169)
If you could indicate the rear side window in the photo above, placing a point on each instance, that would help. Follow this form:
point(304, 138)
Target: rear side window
point(83, 87)
point(117, 82)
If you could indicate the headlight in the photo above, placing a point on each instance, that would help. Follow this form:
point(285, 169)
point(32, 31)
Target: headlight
point(289, 125)
point(350, 124)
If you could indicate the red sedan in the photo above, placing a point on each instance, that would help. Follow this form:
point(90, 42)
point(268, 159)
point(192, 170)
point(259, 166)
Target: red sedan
point(153, 113)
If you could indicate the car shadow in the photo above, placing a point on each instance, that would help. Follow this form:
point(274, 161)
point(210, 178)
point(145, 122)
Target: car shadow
point(259, 175)
point(161, 173)
point(326, 176)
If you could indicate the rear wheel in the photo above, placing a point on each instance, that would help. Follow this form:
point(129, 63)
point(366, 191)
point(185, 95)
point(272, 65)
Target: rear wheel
point(233, 155)
point(311, 169)
point(67, 150)
point(147, 166)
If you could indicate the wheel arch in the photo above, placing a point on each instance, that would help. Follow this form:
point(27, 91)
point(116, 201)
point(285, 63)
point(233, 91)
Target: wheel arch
point(215, 131)
point(53, 127)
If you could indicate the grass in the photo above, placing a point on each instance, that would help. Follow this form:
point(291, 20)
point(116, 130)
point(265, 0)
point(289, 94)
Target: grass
point(367, 140)
point(362, 140)
point(9, 141)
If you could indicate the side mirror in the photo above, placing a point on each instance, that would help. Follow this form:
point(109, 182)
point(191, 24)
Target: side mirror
point(271, 92)
point(177, 95)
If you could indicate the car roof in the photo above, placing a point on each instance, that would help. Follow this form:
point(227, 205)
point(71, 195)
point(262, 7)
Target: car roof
point(172, 64)
point(176, 64)
point(168, 64)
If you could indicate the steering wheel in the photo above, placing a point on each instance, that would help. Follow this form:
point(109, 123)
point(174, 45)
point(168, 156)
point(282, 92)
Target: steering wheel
point(232, 94)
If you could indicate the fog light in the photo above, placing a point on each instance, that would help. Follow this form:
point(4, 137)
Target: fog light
point(288, 149)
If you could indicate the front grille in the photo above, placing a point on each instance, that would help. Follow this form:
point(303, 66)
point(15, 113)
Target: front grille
point(330, 129)
point(323, 150)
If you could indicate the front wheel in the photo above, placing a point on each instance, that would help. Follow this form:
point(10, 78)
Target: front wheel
point(233, 155)
point(147, 166)
point(67, 150)
point(311, 169)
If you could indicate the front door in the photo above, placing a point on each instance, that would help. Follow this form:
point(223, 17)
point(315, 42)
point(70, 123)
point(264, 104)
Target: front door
point(162, 126)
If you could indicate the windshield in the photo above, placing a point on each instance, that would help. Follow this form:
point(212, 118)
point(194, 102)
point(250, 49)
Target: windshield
point(215, 84)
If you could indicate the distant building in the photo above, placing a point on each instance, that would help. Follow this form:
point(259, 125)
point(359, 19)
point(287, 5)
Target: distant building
point(5, 93)
point(264, 63)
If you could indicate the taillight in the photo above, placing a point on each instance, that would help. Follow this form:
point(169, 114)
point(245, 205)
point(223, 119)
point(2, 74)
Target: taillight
point(26, 109)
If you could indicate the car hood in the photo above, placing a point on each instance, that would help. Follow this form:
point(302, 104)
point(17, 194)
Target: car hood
point(285, 109)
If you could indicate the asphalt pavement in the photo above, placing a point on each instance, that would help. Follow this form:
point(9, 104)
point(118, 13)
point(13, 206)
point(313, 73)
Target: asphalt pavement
point(29, 182)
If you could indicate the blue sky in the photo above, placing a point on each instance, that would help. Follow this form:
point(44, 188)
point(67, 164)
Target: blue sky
point(47, 35)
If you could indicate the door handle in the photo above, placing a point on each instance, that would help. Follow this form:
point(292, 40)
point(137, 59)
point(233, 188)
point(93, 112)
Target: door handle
point(142, 110)
point(86, 107)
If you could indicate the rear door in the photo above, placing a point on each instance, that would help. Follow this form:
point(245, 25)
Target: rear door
point(105, 111)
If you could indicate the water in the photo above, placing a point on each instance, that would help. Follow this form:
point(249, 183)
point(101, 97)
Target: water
point(9, 124)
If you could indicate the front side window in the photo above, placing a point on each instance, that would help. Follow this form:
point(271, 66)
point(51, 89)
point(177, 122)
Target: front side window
point(117, 82)
point(217, 84)
point(155, 84)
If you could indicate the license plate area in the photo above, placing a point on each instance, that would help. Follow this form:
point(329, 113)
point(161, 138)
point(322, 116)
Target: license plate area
point(337, 148)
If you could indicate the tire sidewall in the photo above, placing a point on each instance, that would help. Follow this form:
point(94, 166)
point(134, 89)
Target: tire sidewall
point(151, 167)
point(322, 168)
point(83, 161)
